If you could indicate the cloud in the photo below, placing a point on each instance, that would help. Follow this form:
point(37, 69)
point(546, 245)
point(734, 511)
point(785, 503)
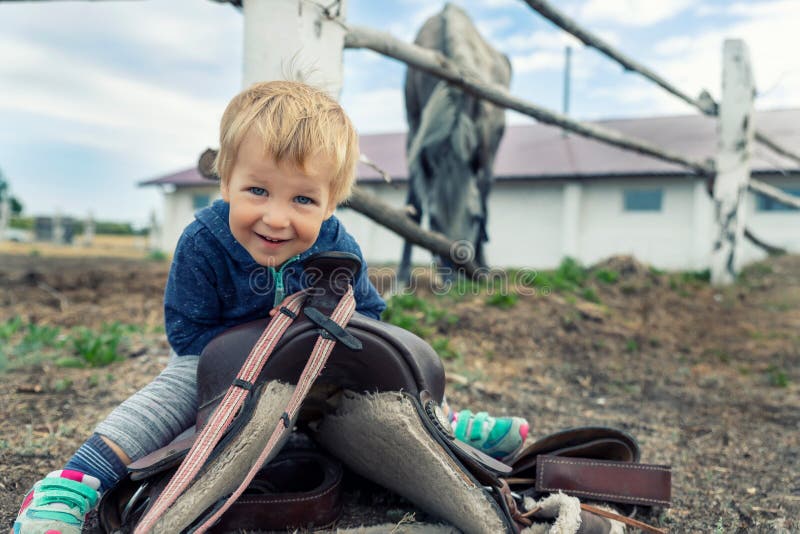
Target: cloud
point(672, 46)
point(695, 62)
point(540, 40)
point(537, 61)
point(635, 13)
point(143, 116)
point(381, 110)
point(638, 99)
point(490, 27)
point(406, 28)
point(494, 4)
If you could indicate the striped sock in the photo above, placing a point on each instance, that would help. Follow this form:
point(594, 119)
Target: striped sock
point(96, 458)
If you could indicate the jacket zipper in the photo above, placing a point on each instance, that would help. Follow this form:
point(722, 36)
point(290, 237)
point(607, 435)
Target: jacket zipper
point(280, 292)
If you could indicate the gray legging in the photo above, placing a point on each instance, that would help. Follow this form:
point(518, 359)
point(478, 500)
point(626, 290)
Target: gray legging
point(154, 415)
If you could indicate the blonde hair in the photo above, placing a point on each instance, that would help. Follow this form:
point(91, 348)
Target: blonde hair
point(295, 121)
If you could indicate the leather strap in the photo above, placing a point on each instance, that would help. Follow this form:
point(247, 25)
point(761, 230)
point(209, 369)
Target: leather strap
point(605, 480)
point(622, 519)
point(316, 362)
point(222, 416)
point(296, 490)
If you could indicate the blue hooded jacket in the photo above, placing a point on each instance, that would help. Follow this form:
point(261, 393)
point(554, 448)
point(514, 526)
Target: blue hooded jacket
point(214, 284)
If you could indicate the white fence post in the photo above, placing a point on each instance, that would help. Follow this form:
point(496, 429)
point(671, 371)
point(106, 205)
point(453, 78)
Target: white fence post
point(155, 236)
point(733, 161)
point(88, 230)
point(58, 229)
point(5, 215)
point(285, 37)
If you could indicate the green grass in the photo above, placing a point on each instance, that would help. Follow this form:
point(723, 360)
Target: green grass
point(588, 293)
point(502, 300)
point(97, 349)
point(416, 315)
point(423, 319)
point(10, 327)
point(40, 336)
point(157, 256)
point(777, 377)
point(607, 276)
point(443, 348)
point(570, 278)
point(24, 344)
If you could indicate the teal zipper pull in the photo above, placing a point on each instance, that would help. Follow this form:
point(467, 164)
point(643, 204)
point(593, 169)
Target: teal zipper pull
point(280, 291)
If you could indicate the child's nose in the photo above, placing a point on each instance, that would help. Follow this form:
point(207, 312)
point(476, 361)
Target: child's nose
point(275, 216)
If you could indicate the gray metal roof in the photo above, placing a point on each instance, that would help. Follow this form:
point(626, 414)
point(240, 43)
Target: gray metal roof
point(539, 151)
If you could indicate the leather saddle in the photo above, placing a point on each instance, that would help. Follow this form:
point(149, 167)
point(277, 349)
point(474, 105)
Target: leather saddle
point(375, 362)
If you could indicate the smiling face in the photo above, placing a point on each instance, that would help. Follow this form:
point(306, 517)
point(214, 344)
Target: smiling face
point(276, 209)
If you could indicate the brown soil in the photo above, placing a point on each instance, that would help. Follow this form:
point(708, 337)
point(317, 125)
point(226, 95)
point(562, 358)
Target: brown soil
point(707, 379)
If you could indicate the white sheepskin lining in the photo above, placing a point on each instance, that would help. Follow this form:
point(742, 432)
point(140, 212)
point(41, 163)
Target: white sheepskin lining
point(226, 471)
point(381, 437)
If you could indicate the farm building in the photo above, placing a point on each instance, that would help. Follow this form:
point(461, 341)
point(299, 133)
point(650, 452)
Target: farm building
point(558, 195)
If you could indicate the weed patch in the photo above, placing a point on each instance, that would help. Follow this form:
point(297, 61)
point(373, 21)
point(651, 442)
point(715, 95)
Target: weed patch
point(777, 377)
point(98, 349)
point(443, 348)
point(10, 327)
point(607, 276)
point(502, 300)
point(157, 255)
point(40, 336)
point(416, 315)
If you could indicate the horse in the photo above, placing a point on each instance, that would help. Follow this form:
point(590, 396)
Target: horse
point(452, 139)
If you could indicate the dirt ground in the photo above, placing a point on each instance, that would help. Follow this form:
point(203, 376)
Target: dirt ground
point(707, 379)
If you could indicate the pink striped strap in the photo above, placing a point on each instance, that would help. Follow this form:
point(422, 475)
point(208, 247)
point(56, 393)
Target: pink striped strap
point(319, 356)
point(224, 414)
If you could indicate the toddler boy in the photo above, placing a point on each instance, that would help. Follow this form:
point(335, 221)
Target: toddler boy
point(288, 156)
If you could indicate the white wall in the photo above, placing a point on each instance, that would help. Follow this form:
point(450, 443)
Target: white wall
point(525, 225)
point(660, 238)
point(179, 212)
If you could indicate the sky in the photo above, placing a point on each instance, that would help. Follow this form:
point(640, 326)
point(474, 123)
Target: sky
point(96, 97)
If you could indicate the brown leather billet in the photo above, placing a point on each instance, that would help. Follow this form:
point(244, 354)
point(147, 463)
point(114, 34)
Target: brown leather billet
point(602, 443)
point(297, 489)
point(301, 489)
point(604, 480)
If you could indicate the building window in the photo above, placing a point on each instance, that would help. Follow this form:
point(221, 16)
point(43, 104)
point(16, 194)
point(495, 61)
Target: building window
point(200, 201)
point(768, 204)
point(642, 199)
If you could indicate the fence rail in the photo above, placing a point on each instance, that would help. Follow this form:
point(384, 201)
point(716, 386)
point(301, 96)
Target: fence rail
point(705, 103)
point(437, 64)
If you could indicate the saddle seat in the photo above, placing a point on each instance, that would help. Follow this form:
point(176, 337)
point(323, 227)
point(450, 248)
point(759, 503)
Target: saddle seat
point(375, 407)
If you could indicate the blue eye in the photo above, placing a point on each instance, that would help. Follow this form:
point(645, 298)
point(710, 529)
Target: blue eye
point(303, 200)
point(258, 191)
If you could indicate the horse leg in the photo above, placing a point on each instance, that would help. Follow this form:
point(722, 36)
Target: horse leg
point(404, 270)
